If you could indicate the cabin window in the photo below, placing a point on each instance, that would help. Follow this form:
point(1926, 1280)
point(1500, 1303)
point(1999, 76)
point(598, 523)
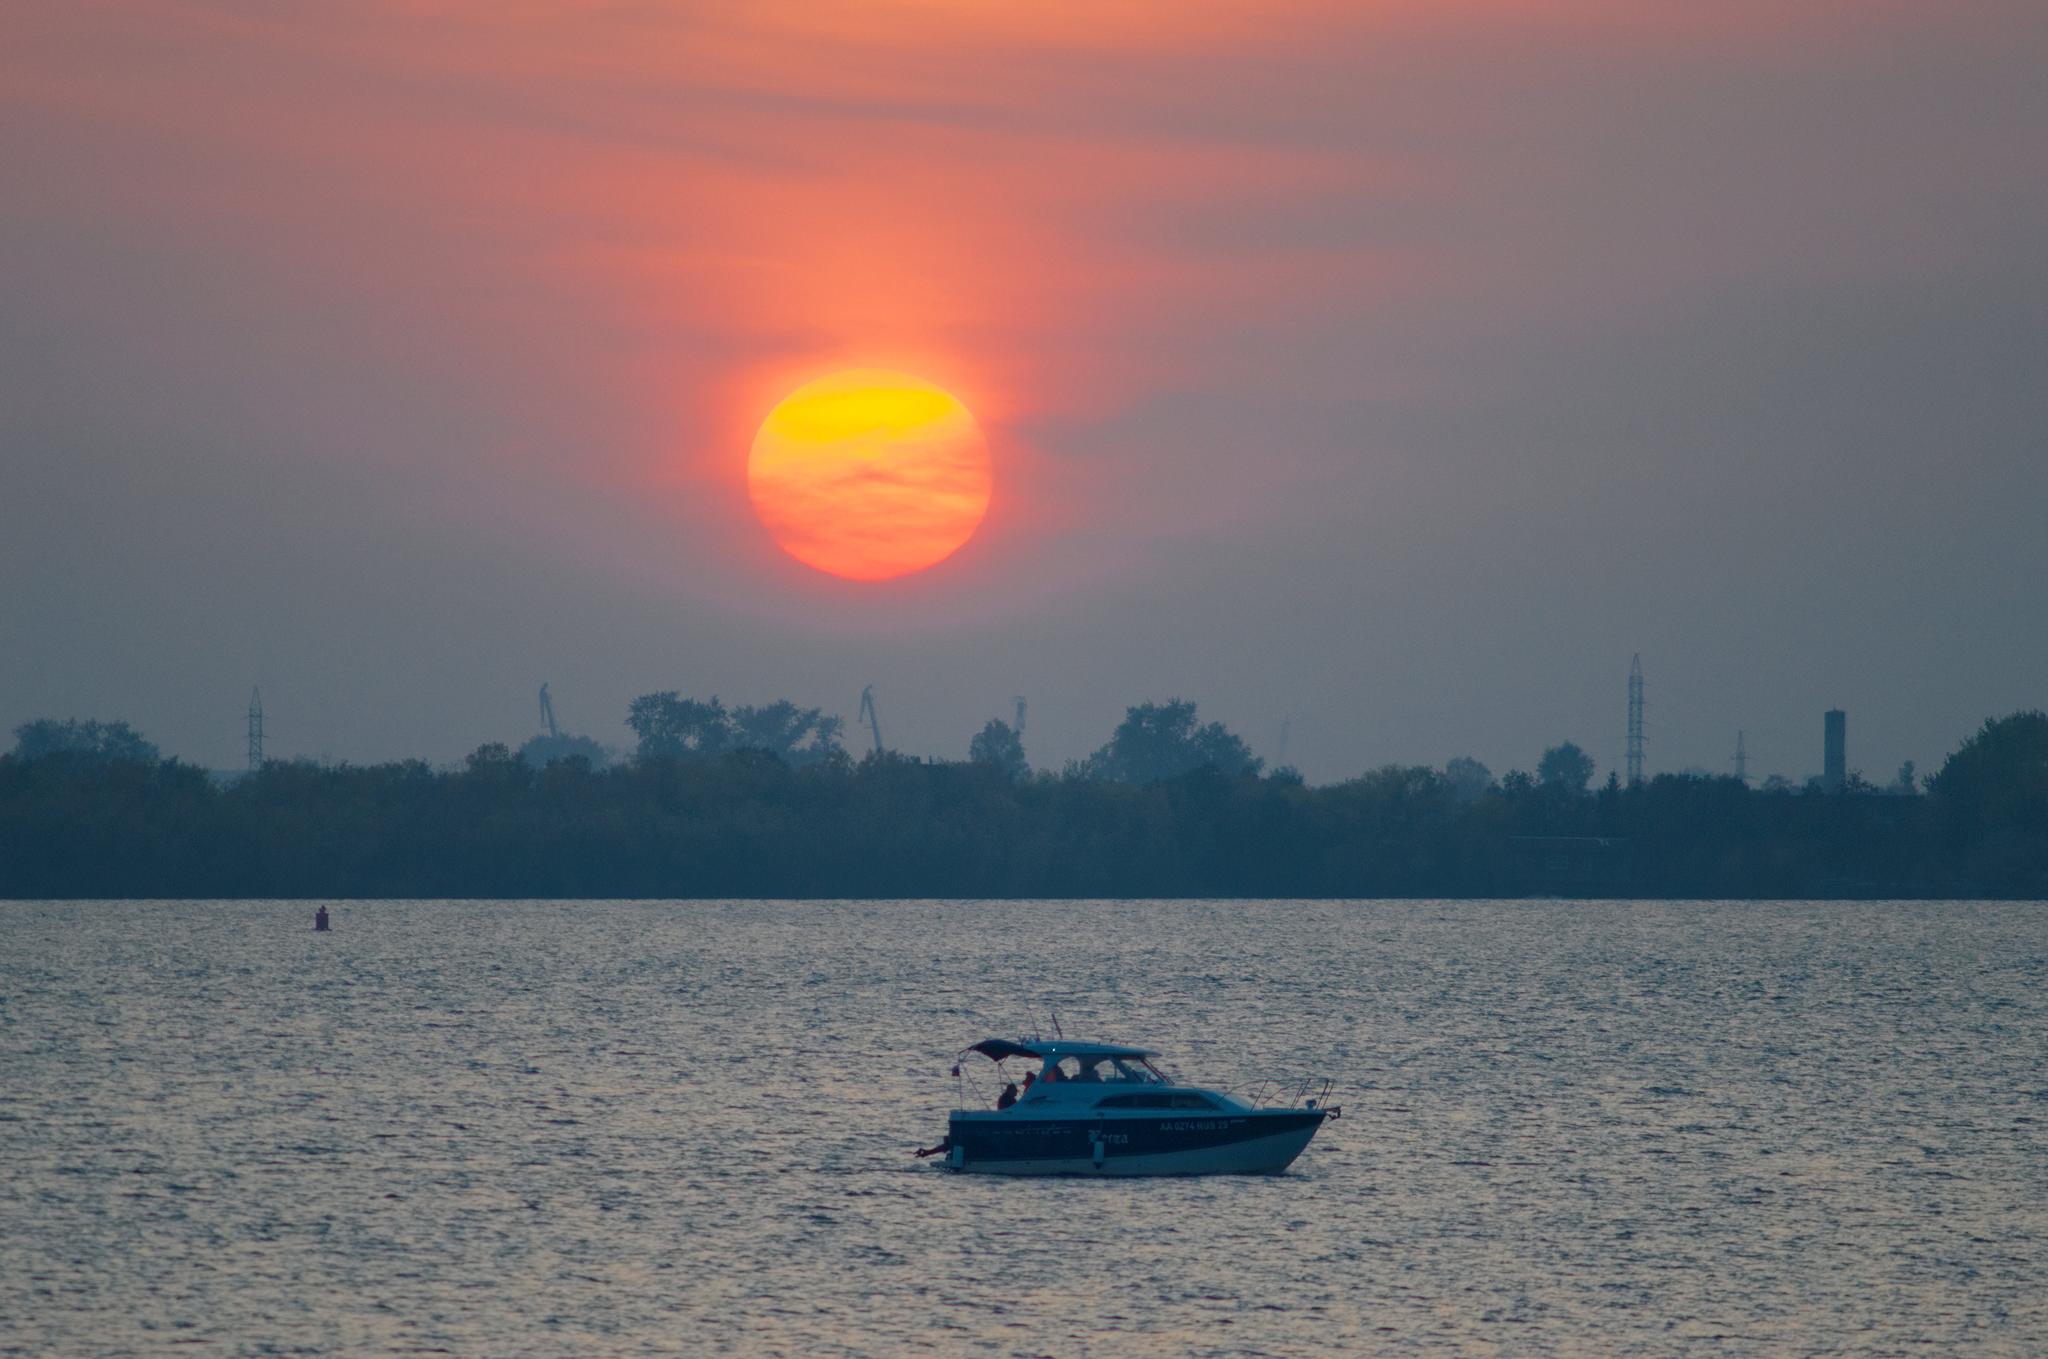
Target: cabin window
point(1133, 1071)
point(1156, 1100)
point(1104, 1070)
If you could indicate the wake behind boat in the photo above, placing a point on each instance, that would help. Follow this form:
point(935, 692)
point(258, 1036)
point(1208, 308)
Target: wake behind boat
point(1105, 1109)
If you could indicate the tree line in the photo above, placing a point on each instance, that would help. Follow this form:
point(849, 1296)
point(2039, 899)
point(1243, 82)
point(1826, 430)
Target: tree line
point(720, 801)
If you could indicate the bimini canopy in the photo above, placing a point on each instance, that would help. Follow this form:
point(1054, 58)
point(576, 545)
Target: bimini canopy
point(1001, 1049)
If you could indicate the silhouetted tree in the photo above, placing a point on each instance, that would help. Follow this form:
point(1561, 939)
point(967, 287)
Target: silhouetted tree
point(1999, 777)
point(84, 740)
point(671, 727)
point(1906, 785)
point(1159, 741)
point(1469, 779)
point(494, 759)
point(1565, 769)
point(999, 747)
point(796, 736)
point(542, 751)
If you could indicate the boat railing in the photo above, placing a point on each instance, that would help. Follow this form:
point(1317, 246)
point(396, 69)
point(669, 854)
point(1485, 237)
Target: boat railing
point(1313, 1092)
point(1303, 1092)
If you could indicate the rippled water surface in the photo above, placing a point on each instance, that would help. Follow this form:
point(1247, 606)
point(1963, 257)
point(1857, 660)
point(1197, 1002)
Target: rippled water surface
point(541, 1129)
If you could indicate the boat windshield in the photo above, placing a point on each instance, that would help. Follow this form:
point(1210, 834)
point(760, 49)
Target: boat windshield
point(1104, 1070)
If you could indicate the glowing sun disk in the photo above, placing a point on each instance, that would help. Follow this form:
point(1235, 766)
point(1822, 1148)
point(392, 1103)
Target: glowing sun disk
point(869, 474)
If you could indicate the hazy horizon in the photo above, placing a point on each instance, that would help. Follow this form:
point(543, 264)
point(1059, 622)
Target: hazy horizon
point(1395, 373)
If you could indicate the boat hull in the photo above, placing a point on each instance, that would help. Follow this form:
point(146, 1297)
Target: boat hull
point(1254, 1142)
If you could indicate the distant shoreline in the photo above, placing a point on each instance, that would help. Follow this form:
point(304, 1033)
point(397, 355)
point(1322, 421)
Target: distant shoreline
point(310, 902)
point(744, 825)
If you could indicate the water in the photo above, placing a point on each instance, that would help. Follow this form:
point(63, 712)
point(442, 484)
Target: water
point(682, 1128)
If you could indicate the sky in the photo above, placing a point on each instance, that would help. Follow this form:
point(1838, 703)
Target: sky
point(1386, 375)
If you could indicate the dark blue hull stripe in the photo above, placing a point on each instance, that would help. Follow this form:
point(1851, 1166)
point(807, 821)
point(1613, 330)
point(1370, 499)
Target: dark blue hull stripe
point(1074, 1138)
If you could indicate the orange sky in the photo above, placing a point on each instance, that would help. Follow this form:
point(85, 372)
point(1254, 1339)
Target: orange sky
point(1337, 291)
point(1017, 201)
point(728, 199)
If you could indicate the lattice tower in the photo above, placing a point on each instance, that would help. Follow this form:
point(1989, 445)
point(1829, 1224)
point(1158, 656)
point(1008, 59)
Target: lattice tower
point(1635, 721)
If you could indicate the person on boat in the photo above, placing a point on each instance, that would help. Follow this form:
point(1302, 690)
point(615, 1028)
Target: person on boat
point(1007, 1098)
point(1052, 1073)
point(1030, 1079)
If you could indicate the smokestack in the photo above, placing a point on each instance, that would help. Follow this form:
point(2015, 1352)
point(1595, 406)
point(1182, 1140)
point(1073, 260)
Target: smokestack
point(1835, 769)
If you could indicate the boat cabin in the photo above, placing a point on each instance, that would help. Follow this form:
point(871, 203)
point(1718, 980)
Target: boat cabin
point(1068, 1070)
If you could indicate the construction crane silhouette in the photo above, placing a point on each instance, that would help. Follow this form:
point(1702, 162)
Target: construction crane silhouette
point(867, 712)
point(547, 714)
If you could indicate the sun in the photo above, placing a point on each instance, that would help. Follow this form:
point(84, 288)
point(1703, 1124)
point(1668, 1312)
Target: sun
point(869, 474)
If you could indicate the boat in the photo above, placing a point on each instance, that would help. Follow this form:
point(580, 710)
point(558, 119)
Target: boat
point(1106, 1109)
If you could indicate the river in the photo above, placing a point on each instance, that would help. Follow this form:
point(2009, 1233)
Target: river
point(526, 1128)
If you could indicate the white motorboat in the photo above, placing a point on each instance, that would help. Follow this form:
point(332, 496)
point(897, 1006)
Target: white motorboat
point(1105, 1109)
